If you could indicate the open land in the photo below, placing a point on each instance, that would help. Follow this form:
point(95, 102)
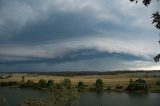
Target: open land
point(109, 79)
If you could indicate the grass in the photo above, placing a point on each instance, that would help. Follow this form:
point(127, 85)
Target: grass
point(109, 80)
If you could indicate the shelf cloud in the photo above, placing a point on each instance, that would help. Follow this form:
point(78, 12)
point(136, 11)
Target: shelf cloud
point(76, 35)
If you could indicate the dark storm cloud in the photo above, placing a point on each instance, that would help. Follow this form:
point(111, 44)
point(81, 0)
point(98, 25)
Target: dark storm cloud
point(74, 56)
point(58, 26)
point(61, 32)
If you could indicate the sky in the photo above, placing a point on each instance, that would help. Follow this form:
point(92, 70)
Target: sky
point(77, 35)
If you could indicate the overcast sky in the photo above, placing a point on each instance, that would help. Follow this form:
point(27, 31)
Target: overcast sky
point(77, 35)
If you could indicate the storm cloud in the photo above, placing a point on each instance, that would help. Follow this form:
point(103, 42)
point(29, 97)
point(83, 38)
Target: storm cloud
point(76, 35)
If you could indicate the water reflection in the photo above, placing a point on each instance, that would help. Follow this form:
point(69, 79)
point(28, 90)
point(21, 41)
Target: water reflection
point(13, 95)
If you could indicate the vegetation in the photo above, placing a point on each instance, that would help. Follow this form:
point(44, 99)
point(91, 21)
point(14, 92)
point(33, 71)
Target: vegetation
point(33, 102)
point(66, 91)
point(50, 84)
point(158, 83)
point(155, 16)
point(119, 86)
point(80, 86)
point(10, 83)
point(66, 83)
point(64, 97)
point(138, 84)
point(3, 101)
point(99, 85)
point(61, 95)
point(85, 82)
point(156, 20)
point(22, 79)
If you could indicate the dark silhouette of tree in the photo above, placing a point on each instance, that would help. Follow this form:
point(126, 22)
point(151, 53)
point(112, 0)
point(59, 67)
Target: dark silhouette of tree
point(156, 20)
point(99, 85)
point(155, 15)
point(67, 83)
point(22, 79)
point(80, 85)
point(42, 83)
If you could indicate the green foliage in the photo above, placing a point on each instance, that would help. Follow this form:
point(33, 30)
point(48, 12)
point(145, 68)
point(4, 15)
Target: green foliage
point(109, 88)
point(64, 97)
point(99, 85)
point(56, 97)
point(80, 86)
point(138, 84)
point(66, 83)
point(140, 80)
point(42, 83)
point(50, 84)
point(29, 83)
point(10, 83)
point(34, 102)
point(3, 101)
point(22, 79)
point(158, 83)
point(119, 86)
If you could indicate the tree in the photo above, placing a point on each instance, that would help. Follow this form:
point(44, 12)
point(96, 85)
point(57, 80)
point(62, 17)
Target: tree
point(58, 96)
point(42, 83)
point(155, 15)
point(156, 20)
point(22, 79)
point(67, 83)
point(64, 97)
point(50, 84)
point(138, 84)
point(99, 85)
point(3, 102)
point(80, 85)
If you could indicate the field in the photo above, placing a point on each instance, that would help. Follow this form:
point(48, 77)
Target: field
point(109, 80)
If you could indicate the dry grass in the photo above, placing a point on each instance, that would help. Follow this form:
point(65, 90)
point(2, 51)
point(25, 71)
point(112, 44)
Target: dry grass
point(109, 80)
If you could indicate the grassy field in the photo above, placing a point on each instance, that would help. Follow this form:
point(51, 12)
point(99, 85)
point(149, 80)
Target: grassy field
point(109, 80)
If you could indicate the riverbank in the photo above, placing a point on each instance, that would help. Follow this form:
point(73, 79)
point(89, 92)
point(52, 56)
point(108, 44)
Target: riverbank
point(115, 83)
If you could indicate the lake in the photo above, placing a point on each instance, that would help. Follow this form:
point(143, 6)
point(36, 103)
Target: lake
point(13, 95)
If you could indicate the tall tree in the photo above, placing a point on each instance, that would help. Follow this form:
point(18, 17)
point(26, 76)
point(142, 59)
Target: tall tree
point(156, 20)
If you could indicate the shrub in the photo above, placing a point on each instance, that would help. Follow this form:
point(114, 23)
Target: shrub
point(66, 83)
point(140, 80)
point(119, 86)
point(109, 88)
point(80, 86)
point(50, 84)
point(22, 79)
point(99, 85)
point(3, 102)
point(139, 84)
point(158, 83)
point(10, 83)
point(42, 83)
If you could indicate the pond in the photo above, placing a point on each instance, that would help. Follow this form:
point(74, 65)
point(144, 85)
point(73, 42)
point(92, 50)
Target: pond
point(13, 95)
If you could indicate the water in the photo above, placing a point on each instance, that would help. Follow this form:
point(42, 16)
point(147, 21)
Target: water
point(13, 95)
point(120, 99)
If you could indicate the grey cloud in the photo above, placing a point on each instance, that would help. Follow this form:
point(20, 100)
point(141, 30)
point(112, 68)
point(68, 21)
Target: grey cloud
point(60, 31)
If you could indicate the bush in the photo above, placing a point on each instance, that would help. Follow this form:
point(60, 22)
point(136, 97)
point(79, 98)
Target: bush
point(66, 83)
point(158, 83)
point(119, 86)
point(3, 101)
point(42, 83)
point(10, 83)
point(139, 84)
point(99, 85)
point(140, 80)
point(50, 84)
point(109, 88)
point(80, 86)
